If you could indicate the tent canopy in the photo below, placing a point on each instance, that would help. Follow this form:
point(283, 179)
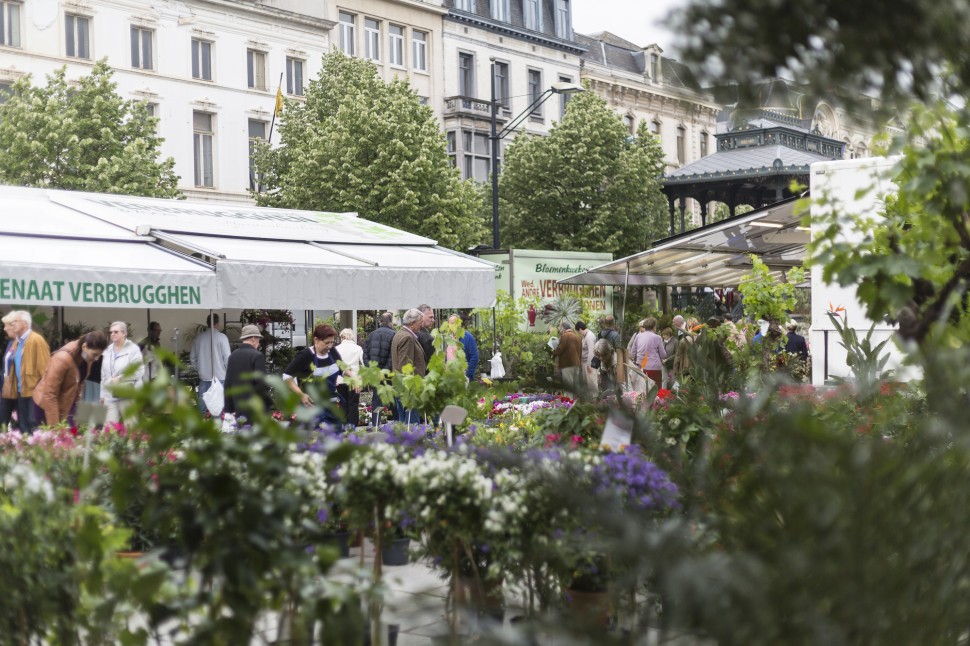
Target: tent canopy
point(716, 255)
point(224, 255)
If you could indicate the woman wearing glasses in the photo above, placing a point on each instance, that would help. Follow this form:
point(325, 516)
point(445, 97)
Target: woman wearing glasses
point(120, 354)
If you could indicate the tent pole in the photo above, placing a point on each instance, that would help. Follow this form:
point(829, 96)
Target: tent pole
point(626, 288)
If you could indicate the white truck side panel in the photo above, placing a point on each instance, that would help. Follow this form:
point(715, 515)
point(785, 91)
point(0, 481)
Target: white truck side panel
point(845, 185)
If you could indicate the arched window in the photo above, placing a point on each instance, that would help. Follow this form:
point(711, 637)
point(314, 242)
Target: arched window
point(655, 128)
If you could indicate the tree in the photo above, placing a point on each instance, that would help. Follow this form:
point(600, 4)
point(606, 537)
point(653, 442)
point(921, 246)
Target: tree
point(918, 48)
point(82, 136)
point(359, 144)
point(585, 187)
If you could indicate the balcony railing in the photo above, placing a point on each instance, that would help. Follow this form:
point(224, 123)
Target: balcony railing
point(471, 107)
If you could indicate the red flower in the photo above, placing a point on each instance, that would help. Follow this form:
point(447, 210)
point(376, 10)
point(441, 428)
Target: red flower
point(552, 438)
point(575, 441)
point(665, 394)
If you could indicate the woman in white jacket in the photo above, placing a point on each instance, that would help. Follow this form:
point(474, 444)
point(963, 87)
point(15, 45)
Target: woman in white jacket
point(120, 354)
point(351, 354)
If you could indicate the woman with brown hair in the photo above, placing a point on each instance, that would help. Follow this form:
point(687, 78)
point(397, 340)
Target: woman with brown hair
point(317, 363)
point(61, 386)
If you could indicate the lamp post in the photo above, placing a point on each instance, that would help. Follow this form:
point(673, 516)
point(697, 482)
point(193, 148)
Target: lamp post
point(497, 135)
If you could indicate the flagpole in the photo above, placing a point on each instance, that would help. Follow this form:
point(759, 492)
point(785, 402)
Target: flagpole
point(278, 108)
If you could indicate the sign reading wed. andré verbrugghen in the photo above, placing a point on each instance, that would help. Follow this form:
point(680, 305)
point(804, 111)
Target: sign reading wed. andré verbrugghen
point(536, 274)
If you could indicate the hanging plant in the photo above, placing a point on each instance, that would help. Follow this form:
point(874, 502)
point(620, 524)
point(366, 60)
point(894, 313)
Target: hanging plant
point(282, 318)
point(565, 309)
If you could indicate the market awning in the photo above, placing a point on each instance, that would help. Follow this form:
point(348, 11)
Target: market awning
point(232, 256)
point(716, 255)
point(52, 255)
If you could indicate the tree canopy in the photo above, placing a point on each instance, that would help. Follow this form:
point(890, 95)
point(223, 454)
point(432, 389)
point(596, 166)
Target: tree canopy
point(588, 186)
point(82, 136)
point(916, 49)
point(360, 144)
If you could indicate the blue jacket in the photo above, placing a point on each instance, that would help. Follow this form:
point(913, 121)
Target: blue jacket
point(471, 354)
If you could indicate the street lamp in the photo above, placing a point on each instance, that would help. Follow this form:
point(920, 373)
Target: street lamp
point(497, 135)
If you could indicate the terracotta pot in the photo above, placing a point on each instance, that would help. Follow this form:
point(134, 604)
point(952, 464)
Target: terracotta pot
point(589, 607)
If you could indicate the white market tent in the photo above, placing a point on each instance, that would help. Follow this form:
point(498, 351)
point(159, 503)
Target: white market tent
point(716, 255)
point(87, 249)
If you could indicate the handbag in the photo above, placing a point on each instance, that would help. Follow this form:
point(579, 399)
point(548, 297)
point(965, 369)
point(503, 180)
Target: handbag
point(214, 398)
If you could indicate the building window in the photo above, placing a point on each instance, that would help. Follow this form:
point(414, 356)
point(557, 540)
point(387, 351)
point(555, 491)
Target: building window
point(563, 20)
point(655, 129)
point(257, 133)
point(703, 144)
point(533, 15)
point(450, 140)
point(535, 90)
point(294, 76)
point(372, 39)
point(152, 109)
point(564, 98)
point(78, 29)
point(202, 140)
point(255, 69)
point(395, 45)
point(466, 74)
point(500, 10)
point(201, 59)
point(141, 48)
point(465, 5)
point(502, 84)
point(681, 144)
point(5, 90)
point(348, 33)
point(475, 156)
point(654, 68)
point(419, 53)
point(630, 124)
point(10, 24)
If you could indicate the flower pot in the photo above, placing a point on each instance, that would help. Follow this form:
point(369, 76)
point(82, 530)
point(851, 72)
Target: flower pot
point(396, 552)
point(592, 608)
point(340, 540)
point(392, 632)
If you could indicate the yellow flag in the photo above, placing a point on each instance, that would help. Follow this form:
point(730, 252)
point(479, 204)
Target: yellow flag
point(279, 101)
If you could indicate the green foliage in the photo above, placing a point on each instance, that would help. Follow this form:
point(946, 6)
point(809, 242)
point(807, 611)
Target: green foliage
point(522, 352)
point(359, 144)
point(830, 44)
point(912, 264)
point(228, 505)
point(763, 297)
point(866, 360)
point(563, 309)
point(585, 187)
point(82, 136)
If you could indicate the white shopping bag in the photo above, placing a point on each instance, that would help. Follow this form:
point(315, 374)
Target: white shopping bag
point(498, 369)
point(214, 398)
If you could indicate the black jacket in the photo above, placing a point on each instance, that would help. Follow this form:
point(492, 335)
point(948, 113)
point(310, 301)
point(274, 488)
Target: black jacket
point(245, 372)
point(427, 343)
point(377, 347)
point(796, 345)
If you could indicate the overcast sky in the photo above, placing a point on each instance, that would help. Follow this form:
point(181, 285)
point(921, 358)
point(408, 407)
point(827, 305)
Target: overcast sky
point(633, 20)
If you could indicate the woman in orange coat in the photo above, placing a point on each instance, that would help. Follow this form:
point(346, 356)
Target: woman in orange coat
point(61, 385)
